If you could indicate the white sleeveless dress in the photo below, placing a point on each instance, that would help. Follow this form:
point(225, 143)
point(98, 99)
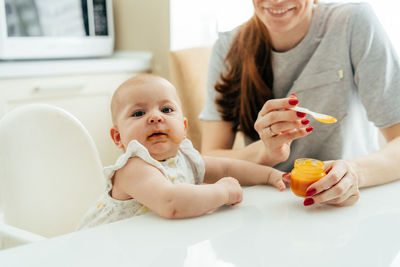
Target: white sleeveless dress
point(186, 167)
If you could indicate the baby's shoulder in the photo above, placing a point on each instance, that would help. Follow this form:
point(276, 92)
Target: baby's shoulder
point(136, 159)
point(135, 168)
point(136, 165)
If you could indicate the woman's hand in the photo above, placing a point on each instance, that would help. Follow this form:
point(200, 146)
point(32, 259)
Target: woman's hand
point(278, 126)
point(339, 187)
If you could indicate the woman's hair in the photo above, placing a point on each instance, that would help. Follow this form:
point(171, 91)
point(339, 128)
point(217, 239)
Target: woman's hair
point(247, 84)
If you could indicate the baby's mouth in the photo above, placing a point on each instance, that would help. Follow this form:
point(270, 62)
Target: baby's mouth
point(157, 134)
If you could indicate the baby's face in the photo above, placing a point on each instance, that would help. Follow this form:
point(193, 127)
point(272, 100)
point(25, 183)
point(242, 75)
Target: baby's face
point(151, 114)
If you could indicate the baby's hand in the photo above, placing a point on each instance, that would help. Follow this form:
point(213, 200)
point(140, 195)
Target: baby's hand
point(275, 179)
point(233, 188)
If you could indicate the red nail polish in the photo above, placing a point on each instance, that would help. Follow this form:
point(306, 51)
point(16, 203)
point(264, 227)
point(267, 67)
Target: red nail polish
point(305, 121)
point(311, 192)
point(293, 102)
point(300, 114)
point(309, 129)
point(285, 174)
point(293, 95)
point(308, 202)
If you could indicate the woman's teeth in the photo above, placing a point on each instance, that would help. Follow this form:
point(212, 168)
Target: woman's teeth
point(278, 11)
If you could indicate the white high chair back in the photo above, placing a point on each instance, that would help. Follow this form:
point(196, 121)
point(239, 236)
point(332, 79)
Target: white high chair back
point(50, 171)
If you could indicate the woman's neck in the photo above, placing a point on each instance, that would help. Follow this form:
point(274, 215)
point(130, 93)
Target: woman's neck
point(285, 41)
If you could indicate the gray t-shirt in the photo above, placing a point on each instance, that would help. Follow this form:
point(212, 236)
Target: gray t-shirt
point(345, 67)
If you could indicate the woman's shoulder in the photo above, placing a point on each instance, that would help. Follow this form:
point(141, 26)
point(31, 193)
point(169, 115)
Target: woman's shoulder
point(345, 7)
point(350, 10)
point(352, 17)
point(227, 35)
point(224, 40)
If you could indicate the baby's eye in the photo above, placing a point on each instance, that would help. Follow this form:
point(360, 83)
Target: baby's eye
point(138, 113)
point(166, 110)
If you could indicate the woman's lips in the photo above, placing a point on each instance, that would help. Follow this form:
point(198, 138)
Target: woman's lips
point(279, 11)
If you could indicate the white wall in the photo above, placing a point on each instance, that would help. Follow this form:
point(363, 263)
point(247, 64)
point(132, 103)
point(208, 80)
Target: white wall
point(197, 23)
point(144, 25)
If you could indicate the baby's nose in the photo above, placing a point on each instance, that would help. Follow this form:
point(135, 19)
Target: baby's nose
point(154, 118)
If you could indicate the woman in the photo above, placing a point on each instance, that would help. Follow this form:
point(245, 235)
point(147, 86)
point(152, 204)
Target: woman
point(333, 58)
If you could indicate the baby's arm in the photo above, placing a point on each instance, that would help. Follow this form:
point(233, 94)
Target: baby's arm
point(247, 173)
point(148, 185)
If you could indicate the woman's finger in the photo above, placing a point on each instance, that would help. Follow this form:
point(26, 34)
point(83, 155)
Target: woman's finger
point(337, 193)
point(335, 174)
point(292, 135)
point(277, 104)
point(344, 192)
point(276, 143)
point(289, 126)
point(278, 122)
point(349, 198)
point(276, 116)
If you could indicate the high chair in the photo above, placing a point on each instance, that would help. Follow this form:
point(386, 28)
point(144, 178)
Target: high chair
point(50, 173)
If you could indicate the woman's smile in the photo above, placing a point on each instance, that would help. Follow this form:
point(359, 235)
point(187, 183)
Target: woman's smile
point(279, 11)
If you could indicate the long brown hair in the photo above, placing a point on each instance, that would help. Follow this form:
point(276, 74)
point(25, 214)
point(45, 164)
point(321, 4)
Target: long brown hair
point(248, 81)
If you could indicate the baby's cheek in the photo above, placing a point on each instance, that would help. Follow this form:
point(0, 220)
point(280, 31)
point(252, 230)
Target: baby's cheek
point(177, 140)
point(179, 135)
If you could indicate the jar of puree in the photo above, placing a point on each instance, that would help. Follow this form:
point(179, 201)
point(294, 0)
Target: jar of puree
point(305, 172)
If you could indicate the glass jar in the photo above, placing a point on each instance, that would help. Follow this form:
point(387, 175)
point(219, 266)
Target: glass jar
point(305, 172)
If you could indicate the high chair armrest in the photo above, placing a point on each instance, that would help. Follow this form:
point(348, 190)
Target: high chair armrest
point(11, 236)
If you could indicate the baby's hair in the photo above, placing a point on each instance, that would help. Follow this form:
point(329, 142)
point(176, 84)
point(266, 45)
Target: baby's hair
point(132, 83)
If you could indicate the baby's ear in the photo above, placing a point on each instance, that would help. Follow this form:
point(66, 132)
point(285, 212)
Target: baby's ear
point(116, 136)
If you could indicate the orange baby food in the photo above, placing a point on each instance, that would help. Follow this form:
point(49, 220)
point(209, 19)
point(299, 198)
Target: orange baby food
point(328, 119)
point(305, 172)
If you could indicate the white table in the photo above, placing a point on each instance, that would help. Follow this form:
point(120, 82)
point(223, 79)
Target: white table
point(269, 228)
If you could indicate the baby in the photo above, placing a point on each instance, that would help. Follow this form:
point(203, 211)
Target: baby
point(160, 170)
